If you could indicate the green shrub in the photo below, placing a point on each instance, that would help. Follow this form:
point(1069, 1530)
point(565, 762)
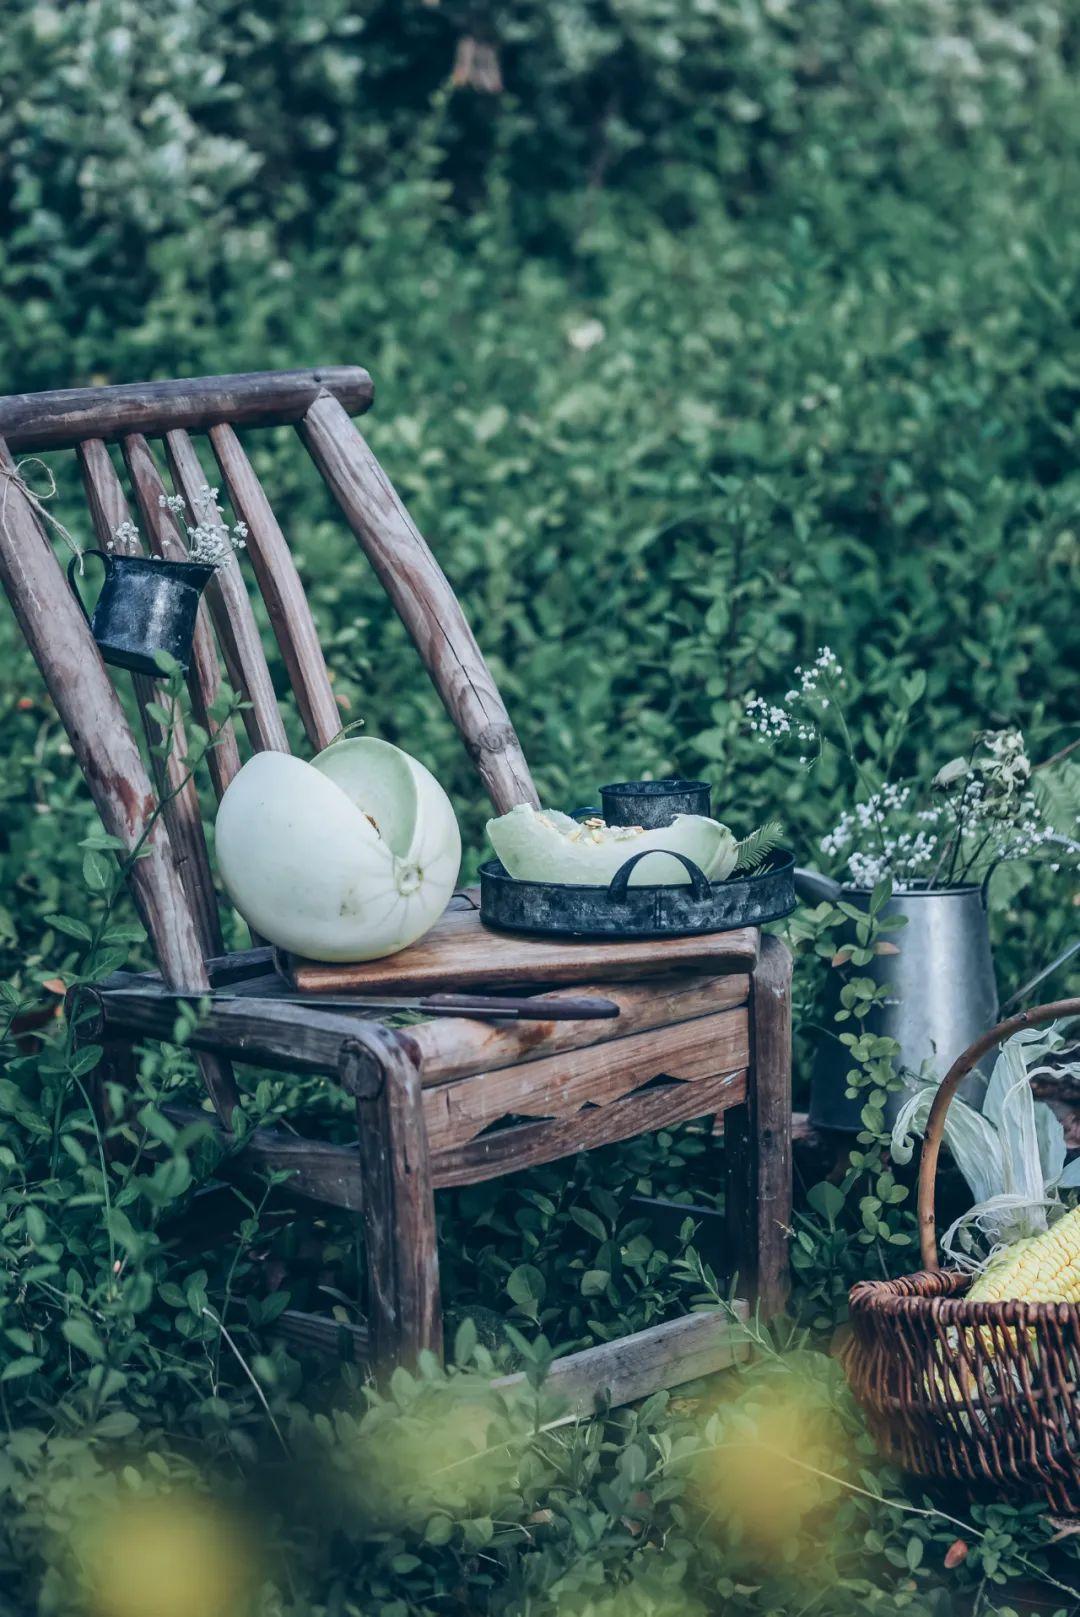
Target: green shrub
point(726, 331)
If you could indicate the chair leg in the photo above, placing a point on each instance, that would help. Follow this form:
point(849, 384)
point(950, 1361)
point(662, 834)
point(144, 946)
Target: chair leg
point(757, 1139)
point(404, 1310)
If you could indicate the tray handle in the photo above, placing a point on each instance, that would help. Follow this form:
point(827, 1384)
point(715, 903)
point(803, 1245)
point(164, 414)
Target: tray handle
point(935, 1123)
point(700, 885)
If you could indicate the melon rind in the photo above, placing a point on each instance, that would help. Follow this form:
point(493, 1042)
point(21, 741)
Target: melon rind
point(303, 862)
point(546, 846)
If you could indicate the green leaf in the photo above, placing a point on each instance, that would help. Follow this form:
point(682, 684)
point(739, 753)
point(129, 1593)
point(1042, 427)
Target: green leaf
point(85, 1059)
point(594, 1282)
point(17, 1369)
point(439, 1530)
point(69, 925)
point(124, 932)
point(97, 871)
point(101, 838)
point(827, 1199)
point(465, 1340)
point(527, 1288)
point(915, 687)
point(82, 1335)
point(881, 894)
point(478, 1531)
point(589, 1222)
point(121, 1423)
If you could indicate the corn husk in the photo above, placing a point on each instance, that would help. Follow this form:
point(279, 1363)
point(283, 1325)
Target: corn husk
point(1012, 1153)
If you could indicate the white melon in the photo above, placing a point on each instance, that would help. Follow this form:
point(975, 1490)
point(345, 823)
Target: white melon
point(544, 845)
point(351, 857)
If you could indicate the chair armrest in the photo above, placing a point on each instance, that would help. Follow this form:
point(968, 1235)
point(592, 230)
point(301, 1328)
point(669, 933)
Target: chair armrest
point(266, 1032)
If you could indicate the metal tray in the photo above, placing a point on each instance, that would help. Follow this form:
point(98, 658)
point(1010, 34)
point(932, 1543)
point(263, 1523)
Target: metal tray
point(556, 909)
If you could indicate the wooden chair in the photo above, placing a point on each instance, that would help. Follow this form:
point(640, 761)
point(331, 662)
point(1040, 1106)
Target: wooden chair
point(441, 1103)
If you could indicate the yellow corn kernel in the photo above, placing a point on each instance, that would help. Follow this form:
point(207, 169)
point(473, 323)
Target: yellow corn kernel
point(1042, 1269)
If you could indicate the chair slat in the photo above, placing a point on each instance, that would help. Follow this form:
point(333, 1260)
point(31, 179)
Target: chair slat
point(231, 610)
point(176, 786)
point(279, 582)
point(423, 598)
point(63, 647)
point(204, 675)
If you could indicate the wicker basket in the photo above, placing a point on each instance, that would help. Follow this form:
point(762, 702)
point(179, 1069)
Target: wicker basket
point(981, 1394)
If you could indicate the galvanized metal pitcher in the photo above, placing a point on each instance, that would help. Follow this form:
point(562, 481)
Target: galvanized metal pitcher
point(942, 992)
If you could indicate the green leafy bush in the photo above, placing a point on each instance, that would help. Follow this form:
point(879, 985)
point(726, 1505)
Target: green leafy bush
point(725, 331)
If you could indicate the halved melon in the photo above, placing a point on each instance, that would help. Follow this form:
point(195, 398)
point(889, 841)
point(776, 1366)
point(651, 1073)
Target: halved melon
point(351, 857)
point(544, 845)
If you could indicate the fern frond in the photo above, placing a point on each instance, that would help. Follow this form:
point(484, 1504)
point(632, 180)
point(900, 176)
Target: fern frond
point(753, 850)
point(1057, 792)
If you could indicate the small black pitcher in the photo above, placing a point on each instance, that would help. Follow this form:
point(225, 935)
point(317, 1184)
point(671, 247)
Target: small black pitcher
point(653, 803)
point(146, 606)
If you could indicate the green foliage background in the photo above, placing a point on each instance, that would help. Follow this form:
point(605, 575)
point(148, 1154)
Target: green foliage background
point(826, 258)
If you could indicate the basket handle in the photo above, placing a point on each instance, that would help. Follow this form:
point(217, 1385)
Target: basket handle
point(935, 1123)
point(700, 885)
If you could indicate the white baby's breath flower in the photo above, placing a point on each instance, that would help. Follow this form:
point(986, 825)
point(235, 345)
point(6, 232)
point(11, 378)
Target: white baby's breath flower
point(125, 537)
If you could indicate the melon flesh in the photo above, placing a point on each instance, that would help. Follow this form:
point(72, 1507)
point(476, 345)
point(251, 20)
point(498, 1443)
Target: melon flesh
point(544, 845)
point(351, 857)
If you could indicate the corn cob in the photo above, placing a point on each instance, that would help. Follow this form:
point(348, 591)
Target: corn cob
point(1036, 1269)
point(1040, 1269)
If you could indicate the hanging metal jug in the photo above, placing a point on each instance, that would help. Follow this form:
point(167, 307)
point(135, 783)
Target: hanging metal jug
point(145, 606)
point(941, 986)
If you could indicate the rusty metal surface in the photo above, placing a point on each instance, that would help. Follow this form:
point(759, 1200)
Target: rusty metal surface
point(618, 910)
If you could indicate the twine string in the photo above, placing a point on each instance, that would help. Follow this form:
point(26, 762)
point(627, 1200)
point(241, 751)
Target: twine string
point(14, 475)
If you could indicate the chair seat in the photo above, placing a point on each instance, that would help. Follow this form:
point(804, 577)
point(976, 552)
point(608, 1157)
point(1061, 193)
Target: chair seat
point(460, 952)
point(679, 1048)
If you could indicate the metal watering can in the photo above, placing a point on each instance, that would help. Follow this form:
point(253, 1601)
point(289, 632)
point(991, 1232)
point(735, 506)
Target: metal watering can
point(942, 993)
point(145, 606)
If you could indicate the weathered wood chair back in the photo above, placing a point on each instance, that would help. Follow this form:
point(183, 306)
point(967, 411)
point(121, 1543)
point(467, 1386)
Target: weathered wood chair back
point(172, 884)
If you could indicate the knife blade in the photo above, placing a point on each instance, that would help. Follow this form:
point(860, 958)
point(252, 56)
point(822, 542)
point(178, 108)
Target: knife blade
point(532, 1008)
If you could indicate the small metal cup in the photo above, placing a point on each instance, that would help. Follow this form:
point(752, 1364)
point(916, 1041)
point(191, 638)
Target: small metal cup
point(653, 803)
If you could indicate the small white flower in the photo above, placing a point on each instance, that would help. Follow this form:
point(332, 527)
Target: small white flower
point(125, 537)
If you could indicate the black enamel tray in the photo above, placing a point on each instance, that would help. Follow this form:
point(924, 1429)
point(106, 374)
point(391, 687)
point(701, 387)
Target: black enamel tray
point(556, 909)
